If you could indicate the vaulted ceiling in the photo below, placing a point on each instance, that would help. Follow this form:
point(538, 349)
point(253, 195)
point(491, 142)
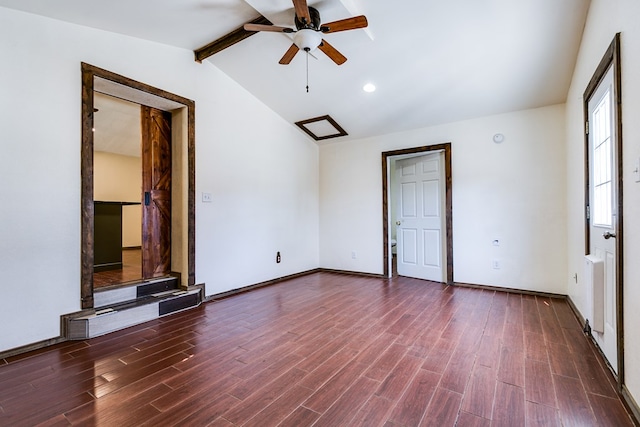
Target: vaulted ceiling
point(432, 61)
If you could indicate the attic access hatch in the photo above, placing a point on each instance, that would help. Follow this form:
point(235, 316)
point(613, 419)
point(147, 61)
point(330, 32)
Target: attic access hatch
point(321, 128)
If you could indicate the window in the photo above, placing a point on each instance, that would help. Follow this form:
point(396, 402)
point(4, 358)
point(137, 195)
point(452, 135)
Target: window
point(602, 162)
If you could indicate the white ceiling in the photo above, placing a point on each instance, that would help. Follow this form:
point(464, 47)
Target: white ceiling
point(116, 126)
point(432, 61)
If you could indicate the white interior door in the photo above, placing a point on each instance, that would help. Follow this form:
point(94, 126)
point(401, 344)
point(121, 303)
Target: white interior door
point(602, 208)
point(420, 217)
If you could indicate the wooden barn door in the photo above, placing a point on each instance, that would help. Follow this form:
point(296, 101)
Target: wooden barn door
point(156, 192)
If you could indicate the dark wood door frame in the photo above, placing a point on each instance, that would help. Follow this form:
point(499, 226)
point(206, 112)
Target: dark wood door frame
point(446, 149)
point(610, 59)
point(89, 75)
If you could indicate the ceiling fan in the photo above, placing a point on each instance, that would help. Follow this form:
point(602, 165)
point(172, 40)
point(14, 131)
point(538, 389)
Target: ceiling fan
point(308, 32)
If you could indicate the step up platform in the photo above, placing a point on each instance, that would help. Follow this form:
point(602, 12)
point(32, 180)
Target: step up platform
point(122, 307)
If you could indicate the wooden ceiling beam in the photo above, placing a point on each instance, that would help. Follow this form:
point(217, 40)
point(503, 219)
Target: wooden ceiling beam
point(228, 40)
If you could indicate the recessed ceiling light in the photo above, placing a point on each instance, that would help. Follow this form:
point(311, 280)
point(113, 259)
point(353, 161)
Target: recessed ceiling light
point(369, 87)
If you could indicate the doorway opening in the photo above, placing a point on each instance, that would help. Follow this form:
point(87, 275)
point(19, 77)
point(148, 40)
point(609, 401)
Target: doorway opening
point(117, 184)
point(389, 158)
point(174, 242)
point(603, 203)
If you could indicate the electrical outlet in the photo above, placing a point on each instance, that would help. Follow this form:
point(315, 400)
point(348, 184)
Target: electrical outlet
point(495, 264)
point(353, 255)
point(206, 197)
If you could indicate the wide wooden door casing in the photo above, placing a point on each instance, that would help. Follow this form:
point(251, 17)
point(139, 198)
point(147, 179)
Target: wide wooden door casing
point(420, 217)
point(156, 192)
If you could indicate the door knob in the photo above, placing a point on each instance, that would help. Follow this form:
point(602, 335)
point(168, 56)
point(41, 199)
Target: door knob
point(607, 235)
point(398, 222)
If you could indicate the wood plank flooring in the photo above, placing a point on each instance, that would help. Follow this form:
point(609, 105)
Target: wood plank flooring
point(131, 270)
point(326, 350)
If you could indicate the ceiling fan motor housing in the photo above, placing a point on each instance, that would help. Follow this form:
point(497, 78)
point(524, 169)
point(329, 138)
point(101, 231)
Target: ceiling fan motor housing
point(315, 20)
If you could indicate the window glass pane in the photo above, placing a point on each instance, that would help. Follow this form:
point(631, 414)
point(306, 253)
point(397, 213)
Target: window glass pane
point(606, 151)
point(597, 128)
point(606, 127)
point(602, 163)
point(597, 166)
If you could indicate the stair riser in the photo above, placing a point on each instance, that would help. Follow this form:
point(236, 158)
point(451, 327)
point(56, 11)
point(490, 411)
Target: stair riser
point(95, 325)
point(130, 293)
point(115, 296)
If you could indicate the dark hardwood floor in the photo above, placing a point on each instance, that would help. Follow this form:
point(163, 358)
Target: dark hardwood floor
point(326, 350)
point(131, 270)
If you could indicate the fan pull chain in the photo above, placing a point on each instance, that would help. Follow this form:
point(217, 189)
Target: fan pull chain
point(307, 50)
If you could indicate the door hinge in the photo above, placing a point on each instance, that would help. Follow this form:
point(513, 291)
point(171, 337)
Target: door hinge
point(586, 127)
point(588, 213)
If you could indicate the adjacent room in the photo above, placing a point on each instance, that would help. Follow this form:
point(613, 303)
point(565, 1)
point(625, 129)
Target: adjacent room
point(336, 212)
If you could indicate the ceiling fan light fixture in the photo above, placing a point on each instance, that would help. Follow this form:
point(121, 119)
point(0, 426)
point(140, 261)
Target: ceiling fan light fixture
point(307, 40)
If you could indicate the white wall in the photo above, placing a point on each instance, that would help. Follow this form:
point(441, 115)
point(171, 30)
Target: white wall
point(116, 178)
point(605, 19)
point(261, 171)
point(263, 175)
point(513, 191)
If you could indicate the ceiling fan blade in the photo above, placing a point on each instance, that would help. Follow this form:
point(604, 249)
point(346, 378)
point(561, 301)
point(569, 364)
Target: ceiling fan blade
point(332, 53)
point(289, 54)
point(345, 24)
point(274, 28)
point(302, 10)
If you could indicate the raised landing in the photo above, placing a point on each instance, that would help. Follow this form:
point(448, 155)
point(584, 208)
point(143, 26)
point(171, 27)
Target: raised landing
point(122, 307)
